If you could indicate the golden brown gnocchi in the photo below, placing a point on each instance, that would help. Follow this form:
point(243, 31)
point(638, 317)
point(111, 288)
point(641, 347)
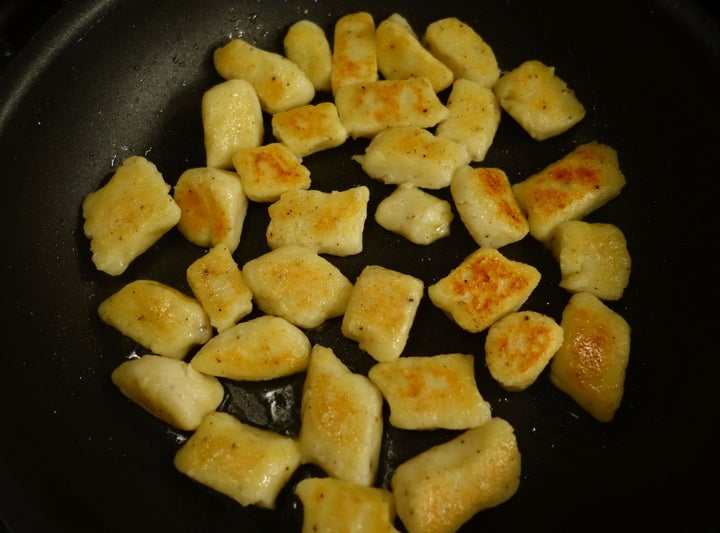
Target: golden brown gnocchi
point(384, 83)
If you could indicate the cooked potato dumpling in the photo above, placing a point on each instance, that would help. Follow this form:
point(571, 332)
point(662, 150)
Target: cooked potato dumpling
point(570, 188)
point(169, 389)
point(157, 316)
point(354, 58)
point(232, 119)
point(341, 419)
point(473, 119)
point(443, 487)
point(310, 128)
point(425, 111)
point(331, 504)
point(415, 214)
point(381, 311)
point(219, 286)
point(590, 365)
point(267, 171)
point(539, 100)
point(213, 207)
point(266, 347)
point(279, 83)
point(297, 284)
point(326, 222)
point(519, 346)
point(432, 392)
point(578, 247)
point(368, 108)
point(412, 155)
point(128, 215)
point(485, 287)
point(460, 47)
point(307, 46)
point(401, 55)
point(487, 206)
point(248, 464)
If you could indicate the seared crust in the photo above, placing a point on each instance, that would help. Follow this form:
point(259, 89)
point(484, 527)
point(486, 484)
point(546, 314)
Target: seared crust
point(590, 365)
point(485, 287)
point(569, 189)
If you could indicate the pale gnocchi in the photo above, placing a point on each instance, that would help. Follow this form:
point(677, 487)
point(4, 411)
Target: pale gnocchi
point(381, 310)
point(307, 46)
point(415, 214)
point(248, 464)
point(232, 119)
point(258, 349)
point(341, 419)
point(128, 214)
point(295, 283)
point(169, 389)
point(279, 83)
point(325, 222)
point(410, 154)
point(401, 55)
point(157, 316)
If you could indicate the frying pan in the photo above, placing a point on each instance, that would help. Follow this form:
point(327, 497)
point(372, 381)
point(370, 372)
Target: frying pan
point(112, 78)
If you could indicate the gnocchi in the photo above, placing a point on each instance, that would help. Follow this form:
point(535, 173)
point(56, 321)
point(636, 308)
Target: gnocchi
point(385, 83)
point(128, 214)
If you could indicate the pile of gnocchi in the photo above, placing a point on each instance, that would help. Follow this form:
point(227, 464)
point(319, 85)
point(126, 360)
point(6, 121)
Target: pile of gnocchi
point(382, 82)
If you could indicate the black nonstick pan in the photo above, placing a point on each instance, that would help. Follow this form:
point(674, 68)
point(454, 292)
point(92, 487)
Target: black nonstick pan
point(108, 79)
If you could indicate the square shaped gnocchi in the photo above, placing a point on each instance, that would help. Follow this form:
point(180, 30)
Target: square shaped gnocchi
point(366, 109)
point(297, 284)
point(443, 487)
point(431, 392)
point(268, 171)
point(577, 245)
point(325, 222)
point(487, 206)
point(332, 504)
point(483, 288)
point(473, 118)
point(128, 214)
point(519, 346)
point(310, 128)
point(409, 154)
point(218, 284)
point(341, 419)
point(539, 100)
point(415, 214)
point(248, 464)
point(159, 317)
point(569, 189)
point(381, 310)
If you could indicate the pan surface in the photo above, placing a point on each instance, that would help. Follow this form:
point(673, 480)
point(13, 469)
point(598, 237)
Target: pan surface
point(109, 79)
